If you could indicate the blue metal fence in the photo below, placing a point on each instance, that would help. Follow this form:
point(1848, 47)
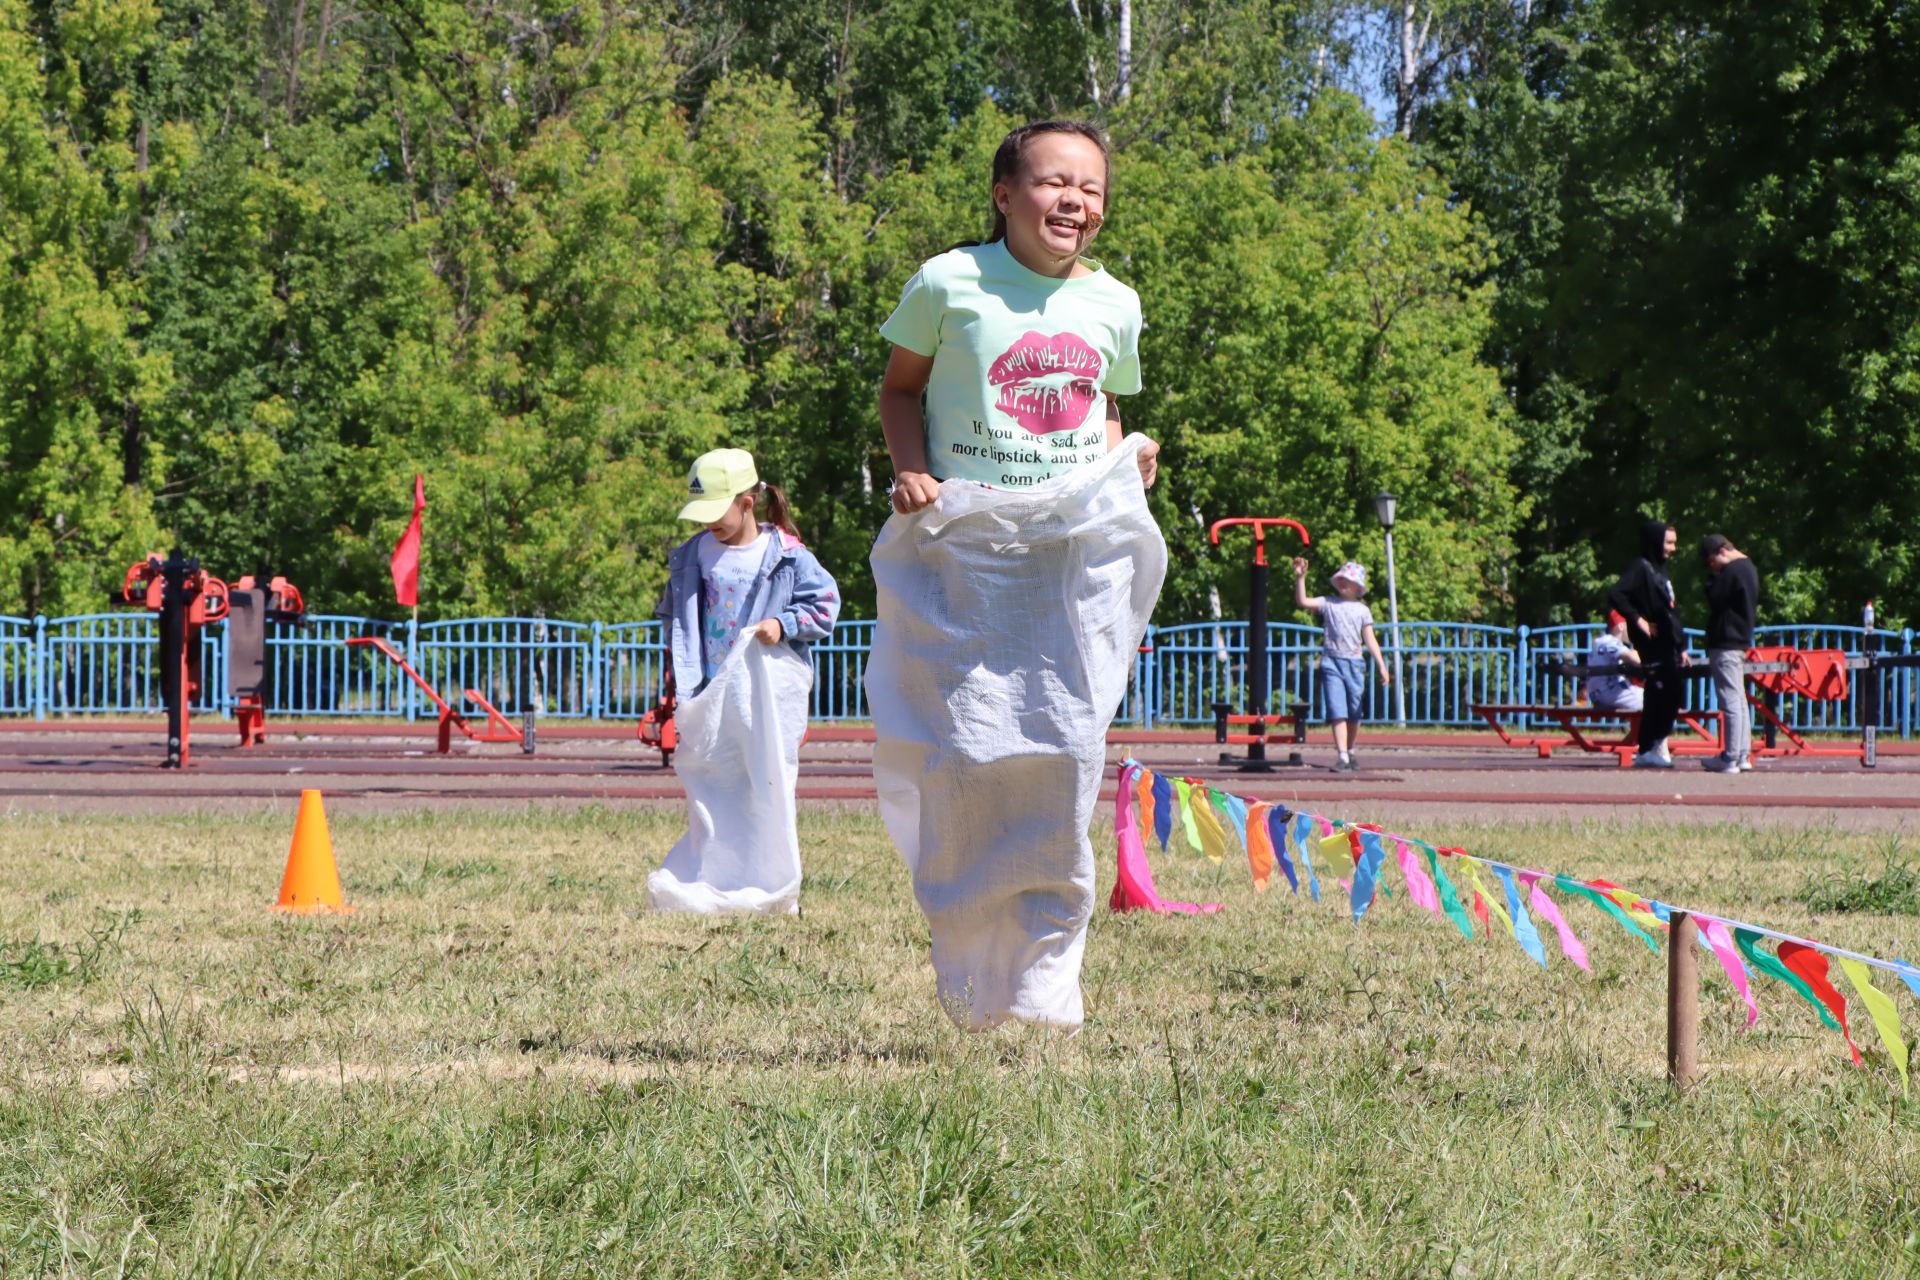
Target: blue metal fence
point(108, 664)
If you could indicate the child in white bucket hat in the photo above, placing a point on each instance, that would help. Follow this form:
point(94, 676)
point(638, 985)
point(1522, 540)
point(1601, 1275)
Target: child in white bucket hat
point(1348, 626)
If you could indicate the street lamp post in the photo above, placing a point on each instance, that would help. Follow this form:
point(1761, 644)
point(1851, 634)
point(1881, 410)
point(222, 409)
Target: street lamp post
point(1384, 507)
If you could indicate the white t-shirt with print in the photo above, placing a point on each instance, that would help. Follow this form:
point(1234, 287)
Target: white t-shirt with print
point(726, 579)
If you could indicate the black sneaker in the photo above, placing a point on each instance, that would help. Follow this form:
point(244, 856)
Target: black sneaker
point(1343, 764)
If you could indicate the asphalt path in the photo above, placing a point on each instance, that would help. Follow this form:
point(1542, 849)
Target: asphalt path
point(1403, 778)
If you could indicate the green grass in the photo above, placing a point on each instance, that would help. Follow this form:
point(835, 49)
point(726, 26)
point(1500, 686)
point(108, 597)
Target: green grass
point(1892, 889)
point(501, 1066)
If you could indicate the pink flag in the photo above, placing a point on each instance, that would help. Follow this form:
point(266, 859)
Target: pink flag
point(1548, 910)
point(1133, 884)
point(1419, 883)
point(1722, 943)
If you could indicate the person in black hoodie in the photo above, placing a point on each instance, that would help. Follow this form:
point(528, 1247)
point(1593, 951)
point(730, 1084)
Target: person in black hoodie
point(1644, 597)
point(1733, 596)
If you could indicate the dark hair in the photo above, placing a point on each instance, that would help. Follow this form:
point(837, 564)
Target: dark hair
point(1712, 545)
point(779, 510)
point(1013, 149)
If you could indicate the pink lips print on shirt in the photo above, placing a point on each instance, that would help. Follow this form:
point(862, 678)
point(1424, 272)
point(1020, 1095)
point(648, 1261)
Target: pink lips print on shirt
point(1046, 382)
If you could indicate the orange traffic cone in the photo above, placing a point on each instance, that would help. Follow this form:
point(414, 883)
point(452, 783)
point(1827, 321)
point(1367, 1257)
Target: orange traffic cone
point(312, 882)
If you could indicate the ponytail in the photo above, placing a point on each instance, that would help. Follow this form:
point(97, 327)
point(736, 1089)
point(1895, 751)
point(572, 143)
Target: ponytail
point(779, 511)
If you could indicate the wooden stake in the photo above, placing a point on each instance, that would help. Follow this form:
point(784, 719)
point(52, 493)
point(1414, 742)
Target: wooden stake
point(1683, 1004)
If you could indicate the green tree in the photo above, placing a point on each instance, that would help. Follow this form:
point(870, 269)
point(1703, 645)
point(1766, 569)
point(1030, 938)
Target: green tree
point(1314, 336)
point(73, 511)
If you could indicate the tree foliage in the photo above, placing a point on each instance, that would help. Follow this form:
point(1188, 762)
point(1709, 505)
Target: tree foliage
point(1706, 217)
point(264, 260)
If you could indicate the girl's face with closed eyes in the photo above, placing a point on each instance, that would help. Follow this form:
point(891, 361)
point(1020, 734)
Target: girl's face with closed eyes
point(1054, 202)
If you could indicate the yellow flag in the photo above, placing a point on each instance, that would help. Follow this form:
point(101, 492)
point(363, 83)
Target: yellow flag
point(1629, 903)
point(1213, 839)
point(1496, 905)
point(1184, 798)
point(1337, 850)
point(1886, 1018)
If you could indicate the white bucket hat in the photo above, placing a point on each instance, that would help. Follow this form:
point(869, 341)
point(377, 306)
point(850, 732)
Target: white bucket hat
point(1353, 571)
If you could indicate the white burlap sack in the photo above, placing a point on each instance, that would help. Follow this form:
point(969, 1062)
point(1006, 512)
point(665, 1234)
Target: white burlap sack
point(739, 758)
point(1008, 625)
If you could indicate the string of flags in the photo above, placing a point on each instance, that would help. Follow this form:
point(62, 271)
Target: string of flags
point(1494, 896)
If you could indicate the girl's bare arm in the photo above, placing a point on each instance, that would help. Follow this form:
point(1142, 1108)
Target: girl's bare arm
point(905, 428)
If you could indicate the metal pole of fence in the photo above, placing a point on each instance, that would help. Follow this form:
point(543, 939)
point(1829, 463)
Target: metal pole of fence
point(413, 660)
point(1683, 1004)
point(1522, 672)
point(1384, 507)
point(595, 683)
point(1906, 686)
point(37, 681)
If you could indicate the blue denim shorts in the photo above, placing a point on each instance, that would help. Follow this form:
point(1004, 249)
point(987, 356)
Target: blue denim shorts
point(1343, 682)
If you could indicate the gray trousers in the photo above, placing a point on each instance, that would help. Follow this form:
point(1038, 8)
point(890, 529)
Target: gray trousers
point(1730, 684)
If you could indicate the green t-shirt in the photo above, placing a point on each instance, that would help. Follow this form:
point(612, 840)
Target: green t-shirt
point(1022, 363)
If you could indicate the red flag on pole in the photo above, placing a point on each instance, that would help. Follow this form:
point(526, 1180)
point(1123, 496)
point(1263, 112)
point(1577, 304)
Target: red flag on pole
point(406, 552)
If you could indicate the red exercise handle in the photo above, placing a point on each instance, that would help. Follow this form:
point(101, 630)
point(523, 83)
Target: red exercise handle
point(1260, 525)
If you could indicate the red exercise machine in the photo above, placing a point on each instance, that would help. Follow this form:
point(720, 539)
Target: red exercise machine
point(499, 728)
point(186, 598)
point(656, 727)
point(1258, 714)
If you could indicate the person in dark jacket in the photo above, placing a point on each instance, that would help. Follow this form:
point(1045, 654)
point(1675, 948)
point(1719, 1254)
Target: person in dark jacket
point(1733, 596)
point(1644, 597)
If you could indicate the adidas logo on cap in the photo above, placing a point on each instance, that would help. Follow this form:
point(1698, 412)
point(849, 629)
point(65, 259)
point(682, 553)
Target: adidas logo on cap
point(694, 485)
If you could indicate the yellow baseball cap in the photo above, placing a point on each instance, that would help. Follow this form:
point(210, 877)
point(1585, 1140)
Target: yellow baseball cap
point(717, 478)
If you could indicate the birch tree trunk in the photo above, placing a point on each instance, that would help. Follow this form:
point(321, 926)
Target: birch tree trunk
point(1093, 73)
point(1125, 73)
point(1408, 72)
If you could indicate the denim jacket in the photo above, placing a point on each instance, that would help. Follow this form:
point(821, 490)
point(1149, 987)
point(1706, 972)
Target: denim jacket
point(790, 586)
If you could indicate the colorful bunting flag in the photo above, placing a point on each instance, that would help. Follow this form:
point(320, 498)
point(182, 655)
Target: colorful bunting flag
point(1259, 842)
point(1143, 796)
point(1449, 896)
point(1302, 828)
point(1523, 930)
point(1484, 901)
point(1147, 803)
point(1133, 883)
point(1366, 873)
point(1749, 944)
point(1885, 1018)
point(1163, 796)
point(1570, 944)
point(1568, 884)
point(1236, 810)
point(1715, 932)
point(1419, 884)
point(1213, 838)
point(1187, 822)
point(1277, 833)
point(1811, 965)
point(1628, 902)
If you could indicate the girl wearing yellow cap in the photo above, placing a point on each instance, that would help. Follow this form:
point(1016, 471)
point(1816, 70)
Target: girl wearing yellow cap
point(745, 601)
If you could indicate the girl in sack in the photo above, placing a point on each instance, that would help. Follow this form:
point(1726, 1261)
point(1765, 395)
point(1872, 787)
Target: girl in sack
point(745, 600)
point(1014, 580)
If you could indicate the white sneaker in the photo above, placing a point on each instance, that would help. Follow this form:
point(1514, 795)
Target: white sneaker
point(1746, 764)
